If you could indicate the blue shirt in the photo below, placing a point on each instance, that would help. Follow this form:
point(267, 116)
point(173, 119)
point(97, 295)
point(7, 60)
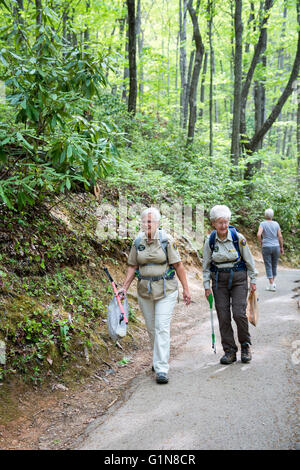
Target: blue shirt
point(269, 234)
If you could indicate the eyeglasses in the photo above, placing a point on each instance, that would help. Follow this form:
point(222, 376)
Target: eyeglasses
point(222, 223)
point(149, 223)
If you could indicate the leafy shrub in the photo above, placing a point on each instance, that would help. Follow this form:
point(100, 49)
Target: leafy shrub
point(51, 140)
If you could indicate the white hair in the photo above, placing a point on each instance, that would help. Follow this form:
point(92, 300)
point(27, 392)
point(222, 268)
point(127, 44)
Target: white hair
point(219, 212)
point(269, 213)
point(153, 211)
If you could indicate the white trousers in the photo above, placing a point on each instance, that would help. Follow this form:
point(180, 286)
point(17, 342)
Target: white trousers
point(157, 314)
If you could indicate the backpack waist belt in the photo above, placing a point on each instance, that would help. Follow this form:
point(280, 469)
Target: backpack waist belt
point(168, 274)
point(241, 266)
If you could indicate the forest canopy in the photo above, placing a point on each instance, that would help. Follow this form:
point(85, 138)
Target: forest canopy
point(197, 98)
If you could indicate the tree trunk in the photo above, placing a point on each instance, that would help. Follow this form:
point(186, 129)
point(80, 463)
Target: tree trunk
point(126, 68)
point(183, 63)
point(190, 69)
point(259, 48)
point(132, 57)
point(39, 11)
point(290, 134)
point(140, 43)
point(16, 11)
point(259, 114)
point(281, 52)
point(235, 138)
point(212, 70)
point(196, 71)
point(202, 88)
point(298, 143)
point(232, 57)
point(121, 22)
point(86, 34)
point(252, 145)
point(284, 139)
point(250, 21)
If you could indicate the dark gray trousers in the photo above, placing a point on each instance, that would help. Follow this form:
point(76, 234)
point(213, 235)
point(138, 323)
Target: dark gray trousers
point(271, 255)
point(234, 299)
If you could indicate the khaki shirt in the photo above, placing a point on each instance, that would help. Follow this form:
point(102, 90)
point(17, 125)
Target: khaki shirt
point(154, 254)
point(225, 251)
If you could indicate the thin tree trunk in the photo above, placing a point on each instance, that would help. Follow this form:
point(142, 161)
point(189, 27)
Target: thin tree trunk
point(86, 34)
point(132, 57)
point(121, 22)
point(232, 57)
point(17, 10)
point(235, 138)
point(290, 134)
point(196, 70)
point(252, 145)
point(212, 65)
point(202, 88)
point(298, 140)
point(250, 21)
point(190, 69)
point(259, 112)
point(259, 48)
point(183, 63)
point(126, 68)
point(140, 42)
point(281, 53)
point(284, 140)
point(39, 11)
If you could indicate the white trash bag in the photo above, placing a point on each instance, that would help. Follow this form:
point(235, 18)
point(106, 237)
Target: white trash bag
point(116, 324)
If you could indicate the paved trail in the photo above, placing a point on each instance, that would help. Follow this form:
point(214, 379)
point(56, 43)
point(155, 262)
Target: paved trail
point(207, 405)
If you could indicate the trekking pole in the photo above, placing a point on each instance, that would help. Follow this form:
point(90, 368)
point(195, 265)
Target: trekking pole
point(210, 300)
point(116, 294)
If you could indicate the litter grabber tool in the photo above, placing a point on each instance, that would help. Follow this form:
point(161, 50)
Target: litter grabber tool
point(117, 313)
point(210, 300)
point(123, 316)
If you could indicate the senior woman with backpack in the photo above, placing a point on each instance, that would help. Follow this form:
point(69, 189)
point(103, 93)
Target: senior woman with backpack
point(227, 262)
point(154, 258)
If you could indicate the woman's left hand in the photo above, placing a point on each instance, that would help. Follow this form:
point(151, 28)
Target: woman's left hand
point(252, 287)
point(186, 296)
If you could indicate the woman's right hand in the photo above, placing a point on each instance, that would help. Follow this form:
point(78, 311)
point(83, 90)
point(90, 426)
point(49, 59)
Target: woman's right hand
point(122, 293)
point(207, 293)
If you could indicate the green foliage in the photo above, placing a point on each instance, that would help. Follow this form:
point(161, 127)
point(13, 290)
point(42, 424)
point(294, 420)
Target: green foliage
point(38, 337)
point(167, 171)
point(51, 140)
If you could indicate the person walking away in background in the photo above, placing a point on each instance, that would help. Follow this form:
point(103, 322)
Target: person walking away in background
point(271, 240)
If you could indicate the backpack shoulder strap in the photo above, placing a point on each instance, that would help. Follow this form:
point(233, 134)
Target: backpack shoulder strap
point(163, 240)
point(212, 240)
point(235, 238)
point(137, 241)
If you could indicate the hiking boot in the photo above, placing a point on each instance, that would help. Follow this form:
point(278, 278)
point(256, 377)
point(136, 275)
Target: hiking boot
point(245, 353)
point(162, 378)
point(228, 358)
